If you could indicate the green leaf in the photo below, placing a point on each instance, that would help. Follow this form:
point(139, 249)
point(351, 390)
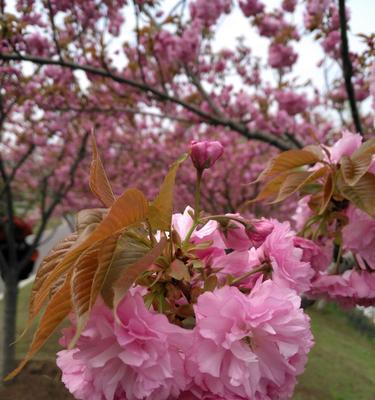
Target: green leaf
point(161, 209)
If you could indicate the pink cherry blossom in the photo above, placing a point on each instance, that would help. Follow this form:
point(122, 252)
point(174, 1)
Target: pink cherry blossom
point(137, 357)
point(349, 289)
point(280, 55)
point(318, 256)
point(237, 237)
point(345, 146)
point(251, 7)
point(359, 235)
point(209, 11)
point(288, 269)
point(236, 264)
point(208, 233)
point(289, 5)
point(249, 347)
point(291, 102)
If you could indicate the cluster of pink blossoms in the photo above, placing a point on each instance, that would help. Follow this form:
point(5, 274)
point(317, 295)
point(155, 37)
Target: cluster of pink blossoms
point(250, 340)
point(246, 335)
point(356, 285)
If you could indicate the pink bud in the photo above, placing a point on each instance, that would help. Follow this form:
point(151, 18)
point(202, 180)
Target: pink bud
point(204, 154)
point(259, 232)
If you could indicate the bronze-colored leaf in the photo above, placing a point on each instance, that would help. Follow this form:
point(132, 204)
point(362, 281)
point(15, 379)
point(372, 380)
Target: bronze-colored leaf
point(47, 266)
point(270, 189)
point(327, 193)
point(105, 258)
point(128, 209)
point(128, 251)
point(89, 217)
point(289, 160)
point(367, 147)
point(297, 180)
point(57, 310)
point(83, 275)
point(161, 209)
point(353, 169)
point(99, 183)
point(131, 272)
point(362, 194)
point(179, 270)
point(88, 274)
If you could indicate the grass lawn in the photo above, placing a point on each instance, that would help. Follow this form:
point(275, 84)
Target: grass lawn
point(341, 365)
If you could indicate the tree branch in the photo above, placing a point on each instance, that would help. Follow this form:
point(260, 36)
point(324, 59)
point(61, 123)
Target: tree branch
point(18, 165)
point(348, 68)
point(207, 118)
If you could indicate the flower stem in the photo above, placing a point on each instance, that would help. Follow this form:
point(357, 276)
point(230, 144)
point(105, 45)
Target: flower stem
point(197, 196)
point(197, 202)
point(262, 268)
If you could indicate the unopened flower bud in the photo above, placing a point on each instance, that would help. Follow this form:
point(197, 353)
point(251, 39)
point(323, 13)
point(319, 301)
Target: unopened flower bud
point(204, 154)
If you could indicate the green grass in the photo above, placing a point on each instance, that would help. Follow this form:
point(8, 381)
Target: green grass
point(341, 365)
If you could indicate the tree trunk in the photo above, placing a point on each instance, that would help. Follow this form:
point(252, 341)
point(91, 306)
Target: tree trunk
point(9, 320)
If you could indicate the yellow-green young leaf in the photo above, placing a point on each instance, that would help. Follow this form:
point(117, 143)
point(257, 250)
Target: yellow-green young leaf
point(129, 209)
point(327, 193)
point(99, 183)
point(57, 310)
point(296, 181)
point(161, 208)
point(353, 169)
point(362, 194)
point(288, 160)
point(89, 218)
point(131, 272)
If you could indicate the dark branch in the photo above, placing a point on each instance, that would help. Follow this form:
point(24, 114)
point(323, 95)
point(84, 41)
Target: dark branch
point(207, 118)
point(348, 68)
point(18, 165)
